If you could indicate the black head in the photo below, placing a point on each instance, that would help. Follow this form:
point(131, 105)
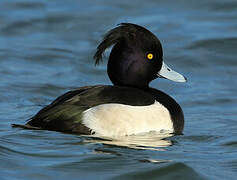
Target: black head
point(136, 57)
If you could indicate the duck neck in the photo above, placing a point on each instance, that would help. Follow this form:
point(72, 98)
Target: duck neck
point(143, 88)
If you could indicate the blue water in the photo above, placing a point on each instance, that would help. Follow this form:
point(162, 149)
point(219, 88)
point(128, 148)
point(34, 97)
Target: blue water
point(46, 49)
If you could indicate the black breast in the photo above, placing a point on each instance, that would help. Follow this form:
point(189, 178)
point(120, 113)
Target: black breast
point(174, 108)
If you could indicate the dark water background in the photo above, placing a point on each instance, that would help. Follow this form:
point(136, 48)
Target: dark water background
point(46, 49)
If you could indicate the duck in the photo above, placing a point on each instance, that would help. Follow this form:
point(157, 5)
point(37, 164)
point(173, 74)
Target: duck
point(129, 106)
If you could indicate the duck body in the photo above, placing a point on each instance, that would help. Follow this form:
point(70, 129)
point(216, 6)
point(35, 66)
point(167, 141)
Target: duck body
point(111, 111)
point(129, 106)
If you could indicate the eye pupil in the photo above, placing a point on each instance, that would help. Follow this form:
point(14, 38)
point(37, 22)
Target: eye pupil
point(150, 56)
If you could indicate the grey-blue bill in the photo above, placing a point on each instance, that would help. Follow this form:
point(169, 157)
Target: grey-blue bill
point(168, 73)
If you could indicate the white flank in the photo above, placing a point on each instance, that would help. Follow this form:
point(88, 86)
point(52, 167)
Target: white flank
point(113, 120)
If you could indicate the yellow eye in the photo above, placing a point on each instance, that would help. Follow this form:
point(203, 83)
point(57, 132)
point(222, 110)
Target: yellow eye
point(149, 56)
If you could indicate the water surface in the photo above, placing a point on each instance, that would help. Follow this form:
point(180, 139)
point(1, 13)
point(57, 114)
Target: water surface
point(46, 49)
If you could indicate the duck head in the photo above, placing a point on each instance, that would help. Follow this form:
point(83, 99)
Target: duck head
point(136, 57)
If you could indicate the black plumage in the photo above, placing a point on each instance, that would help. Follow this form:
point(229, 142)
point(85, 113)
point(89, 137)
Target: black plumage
point(130, 70)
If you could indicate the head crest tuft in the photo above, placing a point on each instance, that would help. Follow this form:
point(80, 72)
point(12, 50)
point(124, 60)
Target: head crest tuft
point(115, 35)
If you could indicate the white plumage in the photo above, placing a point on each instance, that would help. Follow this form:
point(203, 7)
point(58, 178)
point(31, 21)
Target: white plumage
point(114, 120)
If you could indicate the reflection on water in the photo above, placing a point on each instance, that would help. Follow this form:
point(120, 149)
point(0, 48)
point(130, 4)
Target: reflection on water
point(147, 141)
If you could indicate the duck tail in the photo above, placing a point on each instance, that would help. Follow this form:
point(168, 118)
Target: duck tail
point(26, 126)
